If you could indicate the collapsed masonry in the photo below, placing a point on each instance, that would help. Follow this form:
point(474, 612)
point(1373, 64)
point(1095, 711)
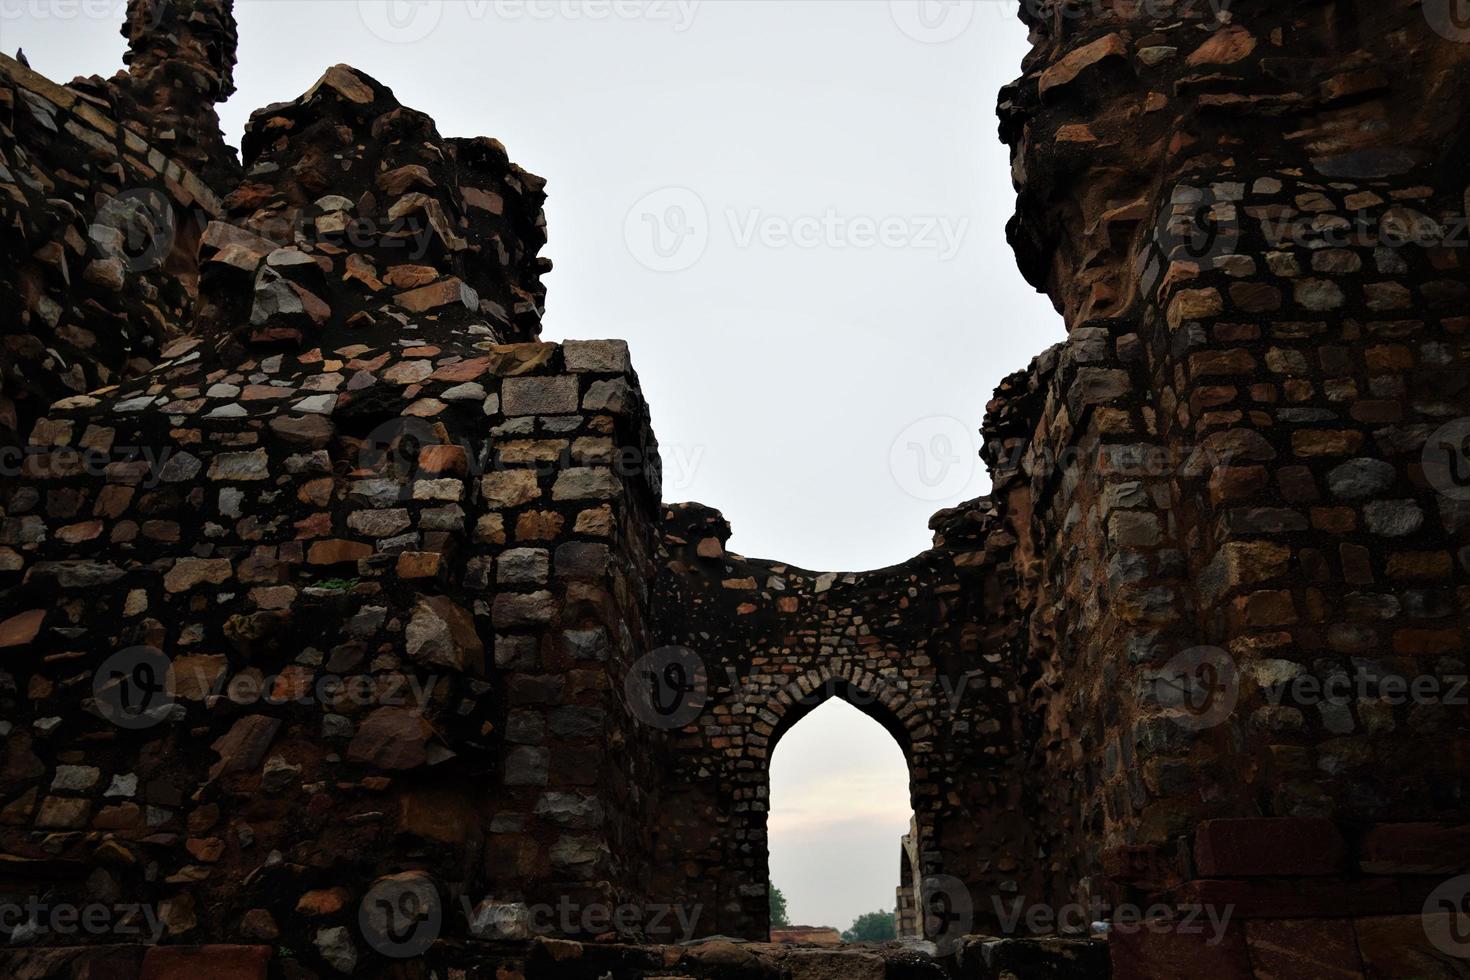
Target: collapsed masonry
point(328, 587)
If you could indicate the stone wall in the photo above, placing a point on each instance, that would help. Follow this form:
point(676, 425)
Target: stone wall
point(98, 229)
point(1249, 223)
point(915, 646)
point(328, 603)
point(105, 187)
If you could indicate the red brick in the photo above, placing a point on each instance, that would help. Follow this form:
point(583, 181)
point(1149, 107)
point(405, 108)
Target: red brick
point(1398, 946)
point(1301, 898)
point(1152, 951)
point(1278, 846)
point(1416, 848)
point(214, 962)
point(1303, 949)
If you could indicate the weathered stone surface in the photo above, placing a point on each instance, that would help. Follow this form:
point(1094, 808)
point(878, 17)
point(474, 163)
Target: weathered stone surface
point(820, 964)
point(1069, 68)
point(1415, 848)
point(191, 962)
point(1285, 845)
point(1240, 447)
point(526, 766)
point(21, 628)
point(1302, 949)
point(188, 573)
point(601, 356)
point(391, 738)
point(435, 295)
point(539, 396)
point(443, 634)
point(244, 745)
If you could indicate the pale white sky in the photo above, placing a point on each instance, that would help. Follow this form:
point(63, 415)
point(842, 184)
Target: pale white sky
point(793, 211)
point(839, 804)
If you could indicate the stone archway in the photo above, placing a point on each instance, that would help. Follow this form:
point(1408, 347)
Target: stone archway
point(780, 708)
point(897, 643)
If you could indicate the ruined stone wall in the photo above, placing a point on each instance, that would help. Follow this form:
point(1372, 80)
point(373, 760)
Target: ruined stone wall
point(341, 615)
point(98, 228)
point(1249, 224)
point(105, 188)
point(920, 647)
point(322, 613)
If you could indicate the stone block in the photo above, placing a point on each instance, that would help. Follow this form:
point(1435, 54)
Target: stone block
point(1149, 950)
point(216, 962)
point(1303, 949)
point(527, 765)
point(596, 356)
point(1276, 846)
point(555, 395)
point(1402, 947)
point(832, 964)
point(1415, 849)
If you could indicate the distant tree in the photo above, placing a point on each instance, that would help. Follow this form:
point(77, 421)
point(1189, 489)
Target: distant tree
point(778, 908)
point(872, 927)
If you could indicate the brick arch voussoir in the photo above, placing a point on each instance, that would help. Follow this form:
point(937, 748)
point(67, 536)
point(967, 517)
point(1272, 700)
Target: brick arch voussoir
point(912, 715)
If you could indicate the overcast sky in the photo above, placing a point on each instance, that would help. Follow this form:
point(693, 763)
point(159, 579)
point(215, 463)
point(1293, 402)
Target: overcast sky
point(793, 211)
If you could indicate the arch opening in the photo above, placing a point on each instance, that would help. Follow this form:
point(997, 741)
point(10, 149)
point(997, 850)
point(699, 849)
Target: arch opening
point(840, 798)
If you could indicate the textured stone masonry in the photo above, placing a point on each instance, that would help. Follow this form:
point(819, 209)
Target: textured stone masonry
point(344, 629)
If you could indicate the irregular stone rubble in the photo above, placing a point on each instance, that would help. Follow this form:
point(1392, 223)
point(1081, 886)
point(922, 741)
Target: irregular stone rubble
point(553, 959)
point(415, 593)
